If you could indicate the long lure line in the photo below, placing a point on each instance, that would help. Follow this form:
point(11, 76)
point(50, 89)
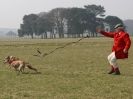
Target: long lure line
point(40, 54)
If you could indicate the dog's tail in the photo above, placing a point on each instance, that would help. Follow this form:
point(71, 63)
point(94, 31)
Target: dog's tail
point(30, 67)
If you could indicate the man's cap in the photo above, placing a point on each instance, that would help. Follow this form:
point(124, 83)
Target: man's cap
point(118, 25)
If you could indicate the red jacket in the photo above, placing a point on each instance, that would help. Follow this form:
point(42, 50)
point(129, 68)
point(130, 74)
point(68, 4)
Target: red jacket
point(121, 42)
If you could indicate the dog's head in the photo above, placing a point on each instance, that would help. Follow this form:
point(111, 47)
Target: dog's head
point(10, 59)
point(6, 59)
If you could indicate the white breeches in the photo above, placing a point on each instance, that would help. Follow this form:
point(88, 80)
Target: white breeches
point(112, 60)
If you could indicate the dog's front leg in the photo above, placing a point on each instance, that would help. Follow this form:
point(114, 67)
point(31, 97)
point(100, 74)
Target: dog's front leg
point(20, 68)
point(9, 66)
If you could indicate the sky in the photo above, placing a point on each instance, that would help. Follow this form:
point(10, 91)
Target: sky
point(12, 11)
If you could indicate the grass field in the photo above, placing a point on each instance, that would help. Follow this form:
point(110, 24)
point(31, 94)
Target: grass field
point(79, 71)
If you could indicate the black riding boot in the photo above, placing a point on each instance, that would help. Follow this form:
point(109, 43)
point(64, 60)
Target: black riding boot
point(117, 71)
point(112, 70)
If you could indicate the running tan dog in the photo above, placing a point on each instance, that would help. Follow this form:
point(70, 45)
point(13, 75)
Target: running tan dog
point(18, 64)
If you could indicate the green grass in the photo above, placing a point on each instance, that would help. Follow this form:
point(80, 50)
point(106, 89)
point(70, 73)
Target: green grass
point(79, 71)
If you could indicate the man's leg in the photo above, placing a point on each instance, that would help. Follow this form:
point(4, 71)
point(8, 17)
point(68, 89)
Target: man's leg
point(112, 68)
point(112, 60)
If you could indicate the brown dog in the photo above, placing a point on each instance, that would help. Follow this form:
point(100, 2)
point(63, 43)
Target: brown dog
point(18, 64)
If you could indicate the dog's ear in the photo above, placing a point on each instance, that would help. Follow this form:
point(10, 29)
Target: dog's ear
point(11, 57)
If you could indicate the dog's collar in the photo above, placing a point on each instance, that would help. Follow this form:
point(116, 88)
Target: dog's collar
point(10, 61)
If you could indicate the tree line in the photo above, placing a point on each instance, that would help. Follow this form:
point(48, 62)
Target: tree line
point(69, 22)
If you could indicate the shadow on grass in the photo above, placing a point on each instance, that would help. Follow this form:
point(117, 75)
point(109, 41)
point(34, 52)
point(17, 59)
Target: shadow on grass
point(122, 74)
point(126, 74)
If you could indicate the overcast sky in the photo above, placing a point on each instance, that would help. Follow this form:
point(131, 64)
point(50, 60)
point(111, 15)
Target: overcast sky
point(12, 11)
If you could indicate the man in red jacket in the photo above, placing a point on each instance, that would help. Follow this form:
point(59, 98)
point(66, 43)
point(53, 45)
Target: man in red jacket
point(120, 47)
